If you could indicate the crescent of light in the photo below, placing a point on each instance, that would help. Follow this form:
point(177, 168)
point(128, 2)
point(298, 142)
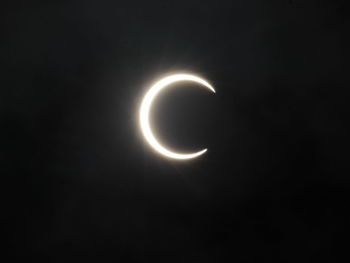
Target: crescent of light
point(146, 106)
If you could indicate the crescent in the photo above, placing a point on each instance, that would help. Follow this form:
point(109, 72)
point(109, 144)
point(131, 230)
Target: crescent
point(147, 104)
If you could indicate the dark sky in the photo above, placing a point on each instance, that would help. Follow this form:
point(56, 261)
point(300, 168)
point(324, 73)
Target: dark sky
point(79, 182)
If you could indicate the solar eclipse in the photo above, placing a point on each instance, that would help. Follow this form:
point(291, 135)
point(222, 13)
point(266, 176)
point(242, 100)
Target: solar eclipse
point(146, 105)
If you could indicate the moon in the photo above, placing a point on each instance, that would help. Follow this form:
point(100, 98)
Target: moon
point(146, 105)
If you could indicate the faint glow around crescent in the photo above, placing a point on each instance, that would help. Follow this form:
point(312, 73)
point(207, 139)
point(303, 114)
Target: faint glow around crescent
point(146, 106)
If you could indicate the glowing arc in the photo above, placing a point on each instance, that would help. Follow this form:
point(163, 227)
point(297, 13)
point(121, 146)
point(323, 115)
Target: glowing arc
point(146, 107)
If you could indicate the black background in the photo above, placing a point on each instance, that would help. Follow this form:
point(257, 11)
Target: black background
point(80, 184)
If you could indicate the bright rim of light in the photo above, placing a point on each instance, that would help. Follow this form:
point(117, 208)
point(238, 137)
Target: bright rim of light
point(146, 106)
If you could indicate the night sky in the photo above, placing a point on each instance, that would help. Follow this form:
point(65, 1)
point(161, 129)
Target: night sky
point(79, 182)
